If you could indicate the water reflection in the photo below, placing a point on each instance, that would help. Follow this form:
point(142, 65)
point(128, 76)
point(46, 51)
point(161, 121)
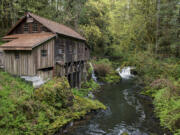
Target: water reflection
point(126, 113)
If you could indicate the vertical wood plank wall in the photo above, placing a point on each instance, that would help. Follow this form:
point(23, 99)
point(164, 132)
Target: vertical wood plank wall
point(72, 50)
point(1, 58)
point(29, 62)
point(47, 61)
point(24, 65)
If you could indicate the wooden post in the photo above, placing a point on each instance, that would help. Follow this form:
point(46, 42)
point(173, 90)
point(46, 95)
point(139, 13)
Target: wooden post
point(72, 83)
point(79, 79)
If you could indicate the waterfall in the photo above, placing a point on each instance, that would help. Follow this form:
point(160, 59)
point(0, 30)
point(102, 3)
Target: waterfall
point(125, 73)
point(93, 73)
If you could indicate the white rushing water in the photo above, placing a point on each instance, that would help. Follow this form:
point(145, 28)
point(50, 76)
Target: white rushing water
point(125, 73)
point(93, 73)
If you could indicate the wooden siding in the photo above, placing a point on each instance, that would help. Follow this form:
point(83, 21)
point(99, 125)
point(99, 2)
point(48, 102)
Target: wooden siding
point(72, 50)
point(59, 49)
point(22, 66)
point(60, 70)
point(29, 62)
point(45, 74)
point(1, 58)
point(43, 62)
point(20, 28)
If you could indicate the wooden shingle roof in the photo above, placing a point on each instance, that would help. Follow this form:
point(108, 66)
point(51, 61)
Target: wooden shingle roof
point(54, 27)
point(25, 41)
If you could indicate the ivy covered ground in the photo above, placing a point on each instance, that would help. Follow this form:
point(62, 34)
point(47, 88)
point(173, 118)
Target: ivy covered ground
point(24, 110)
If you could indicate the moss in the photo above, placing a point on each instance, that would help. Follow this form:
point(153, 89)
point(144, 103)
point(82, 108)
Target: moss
point(24, 110)
point(80, 108)
point(112, 78)
point(88, 86)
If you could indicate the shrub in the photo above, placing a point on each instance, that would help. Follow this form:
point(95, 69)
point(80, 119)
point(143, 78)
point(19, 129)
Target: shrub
point(168, 109)
point(88, 86)
point(55, 92)
point(103, 67)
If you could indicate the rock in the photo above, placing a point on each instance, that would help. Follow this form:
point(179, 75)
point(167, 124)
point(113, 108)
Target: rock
point(90, 95)
point(133, 71)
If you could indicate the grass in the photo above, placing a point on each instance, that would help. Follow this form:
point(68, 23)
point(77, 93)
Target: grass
point(24, 110)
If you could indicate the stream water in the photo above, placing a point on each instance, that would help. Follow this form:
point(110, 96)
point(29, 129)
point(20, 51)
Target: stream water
point(127, 113)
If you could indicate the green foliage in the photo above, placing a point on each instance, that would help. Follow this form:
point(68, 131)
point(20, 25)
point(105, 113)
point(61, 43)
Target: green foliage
point(88, 86)
point(113, 77)
point(55, 93)
point(24, 110)
point(105, 71)
point(167, 108)
point(140, 33)
point(95, 20)
point(103, 67)
point(79, 109)
point(161, 77)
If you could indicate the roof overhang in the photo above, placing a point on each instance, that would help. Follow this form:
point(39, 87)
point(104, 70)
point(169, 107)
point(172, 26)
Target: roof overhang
point(25, 41)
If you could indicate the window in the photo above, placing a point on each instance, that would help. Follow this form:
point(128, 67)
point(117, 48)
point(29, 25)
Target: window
point(1, 54)
point(35, 27)
point(16, 55)
point(60, 51)
point(26, 27)
point(70, 49)
point(43, 53)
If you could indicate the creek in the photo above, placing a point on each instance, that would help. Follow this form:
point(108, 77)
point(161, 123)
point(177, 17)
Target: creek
point(128, 112)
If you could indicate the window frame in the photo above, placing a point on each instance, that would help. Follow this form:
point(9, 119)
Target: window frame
point(60, 51)
point(1, 53)
point(35, 27)
point(44, 53)
point(16, 55)
point(26, 27)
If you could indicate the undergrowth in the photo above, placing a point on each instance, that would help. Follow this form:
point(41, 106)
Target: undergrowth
point(105, 71)
point(24, 110)
point(88, 86)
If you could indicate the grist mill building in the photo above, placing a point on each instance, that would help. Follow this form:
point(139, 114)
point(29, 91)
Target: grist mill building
point(40, 47)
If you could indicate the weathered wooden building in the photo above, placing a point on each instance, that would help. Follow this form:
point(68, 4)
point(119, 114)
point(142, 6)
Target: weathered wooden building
point(39, 47)
point(1, 58)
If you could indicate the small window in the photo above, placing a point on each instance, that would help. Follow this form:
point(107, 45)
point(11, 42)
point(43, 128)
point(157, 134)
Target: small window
point(70, 49)
point(35, 27)
point(43, 53)
point(26, 27)
point(16, 55)
point(60, 51)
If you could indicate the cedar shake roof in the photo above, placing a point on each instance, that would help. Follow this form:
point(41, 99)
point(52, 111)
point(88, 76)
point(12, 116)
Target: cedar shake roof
point(54, 27)
point(25, 41)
